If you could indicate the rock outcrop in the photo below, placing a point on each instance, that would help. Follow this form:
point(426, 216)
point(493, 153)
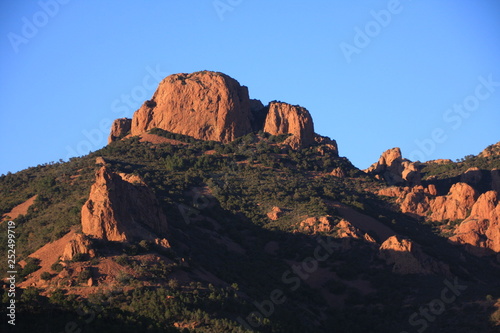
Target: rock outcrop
point(455, 205)
point(120, 128)
point(79, 244)
point(283, 118)
point(394, 169)
point(414, 201)
point(480, 232)
point(338, 172)
point(275, 213)
point(314, 225)
point(346, 230)
point(407, 257)
point(122, 208)
point(491, 150)
point(326, 145)
point(423, 201)
point(204, 105)
point(213, 106)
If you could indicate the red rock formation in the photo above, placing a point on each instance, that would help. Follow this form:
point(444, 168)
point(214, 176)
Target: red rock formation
point(79, 244)
point(121, 208)
point(326, 145)
point(407, 257)
point(346, 230)
point(338, 172)
point(491, 150)
point(284, 118)
point(414, 201)
point(440, 161)
point(394, 169)
point(275, 213)
point(314, 225)
point(480, 232)
point(120, 128)
point(431, 189)
point(204, 105)
point(455, 205)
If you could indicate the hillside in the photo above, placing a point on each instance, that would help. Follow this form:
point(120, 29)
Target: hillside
point(250, 221)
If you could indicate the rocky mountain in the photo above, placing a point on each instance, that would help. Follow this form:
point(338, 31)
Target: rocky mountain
point(213, 106)
point(209, 211)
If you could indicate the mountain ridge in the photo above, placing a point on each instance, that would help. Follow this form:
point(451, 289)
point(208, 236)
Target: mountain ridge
point(210, 231)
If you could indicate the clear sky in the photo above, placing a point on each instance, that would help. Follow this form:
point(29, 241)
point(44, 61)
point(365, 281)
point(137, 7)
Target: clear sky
point(421, 75)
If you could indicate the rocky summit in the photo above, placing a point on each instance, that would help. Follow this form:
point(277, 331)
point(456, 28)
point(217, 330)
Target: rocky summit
point(213, 106)
point(209, 211)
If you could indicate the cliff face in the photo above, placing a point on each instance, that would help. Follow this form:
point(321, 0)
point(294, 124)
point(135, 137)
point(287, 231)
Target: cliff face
point(284, 118)
point(204, 105)
point(122, 208)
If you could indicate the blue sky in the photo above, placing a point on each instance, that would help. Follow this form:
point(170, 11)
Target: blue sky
point(421, 75)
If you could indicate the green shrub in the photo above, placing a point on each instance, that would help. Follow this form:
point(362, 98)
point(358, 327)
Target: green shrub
point(32, 265)
point(124, 278)
point(80, 257)
point(57, 266)
point(84, 276)
point(122, 260)
point(46, 276)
